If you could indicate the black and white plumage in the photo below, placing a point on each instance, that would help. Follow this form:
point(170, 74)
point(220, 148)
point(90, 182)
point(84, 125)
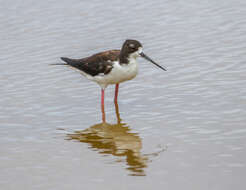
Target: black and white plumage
point(111, 67)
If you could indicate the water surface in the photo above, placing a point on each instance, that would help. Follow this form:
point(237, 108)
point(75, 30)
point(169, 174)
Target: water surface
point(180, 129)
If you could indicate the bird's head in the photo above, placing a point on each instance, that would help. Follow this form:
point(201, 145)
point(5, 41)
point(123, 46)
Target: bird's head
point(132, 49)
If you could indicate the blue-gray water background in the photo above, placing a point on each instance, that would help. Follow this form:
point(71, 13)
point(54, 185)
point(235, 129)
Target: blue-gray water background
point(190, 120)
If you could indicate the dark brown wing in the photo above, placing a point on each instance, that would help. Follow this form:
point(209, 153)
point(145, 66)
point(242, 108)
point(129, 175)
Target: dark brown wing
point(95, 64)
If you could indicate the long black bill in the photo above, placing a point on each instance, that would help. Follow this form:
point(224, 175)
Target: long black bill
point(147, 58)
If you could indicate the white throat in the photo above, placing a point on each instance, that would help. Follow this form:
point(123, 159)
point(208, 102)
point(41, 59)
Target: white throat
point(133, 56)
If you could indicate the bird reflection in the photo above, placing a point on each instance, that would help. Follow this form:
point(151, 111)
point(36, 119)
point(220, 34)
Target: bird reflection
point(115, 139)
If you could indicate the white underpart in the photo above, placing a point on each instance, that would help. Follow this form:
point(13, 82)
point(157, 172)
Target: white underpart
point(119, 72)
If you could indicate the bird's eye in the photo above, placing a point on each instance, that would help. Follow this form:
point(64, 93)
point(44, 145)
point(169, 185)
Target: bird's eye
point(132, 46)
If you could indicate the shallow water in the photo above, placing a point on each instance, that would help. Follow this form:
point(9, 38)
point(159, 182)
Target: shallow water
point(180, 129)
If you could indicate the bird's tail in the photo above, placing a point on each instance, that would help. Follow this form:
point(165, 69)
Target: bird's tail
point(66, 60)
point(58, 64)
point(69, 61)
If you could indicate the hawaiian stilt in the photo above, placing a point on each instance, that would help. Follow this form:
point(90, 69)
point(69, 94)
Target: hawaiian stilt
point(111, 67)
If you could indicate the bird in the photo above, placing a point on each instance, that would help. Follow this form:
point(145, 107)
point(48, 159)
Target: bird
point(110, 67)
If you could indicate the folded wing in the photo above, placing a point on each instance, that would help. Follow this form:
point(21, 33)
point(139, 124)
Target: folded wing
point(100, 63)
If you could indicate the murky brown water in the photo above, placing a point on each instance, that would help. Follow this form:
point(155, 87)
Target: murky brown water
point(180, 129)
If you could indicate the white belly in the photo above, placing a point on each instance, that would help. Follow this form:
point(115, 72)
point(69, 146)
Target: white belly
point(118, 74)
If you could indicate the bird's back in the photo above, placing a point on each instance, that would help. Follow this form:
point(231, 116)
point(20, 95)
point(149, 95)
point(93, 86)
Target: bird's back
point(95, 64)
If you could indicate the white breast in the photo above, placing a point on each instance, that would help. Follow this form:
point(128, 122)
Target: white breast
point(118, 74)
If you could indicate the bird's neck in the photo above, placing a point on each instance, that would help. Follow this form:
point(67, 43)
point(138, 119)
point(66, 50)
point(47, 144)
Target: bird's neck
point(123, 58)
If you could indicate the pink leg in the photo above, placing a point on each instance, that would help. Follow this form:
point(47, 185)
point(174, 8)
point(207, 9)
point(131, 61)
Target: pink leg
point(102, 105)
point(117, 112)
point(116, 93)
